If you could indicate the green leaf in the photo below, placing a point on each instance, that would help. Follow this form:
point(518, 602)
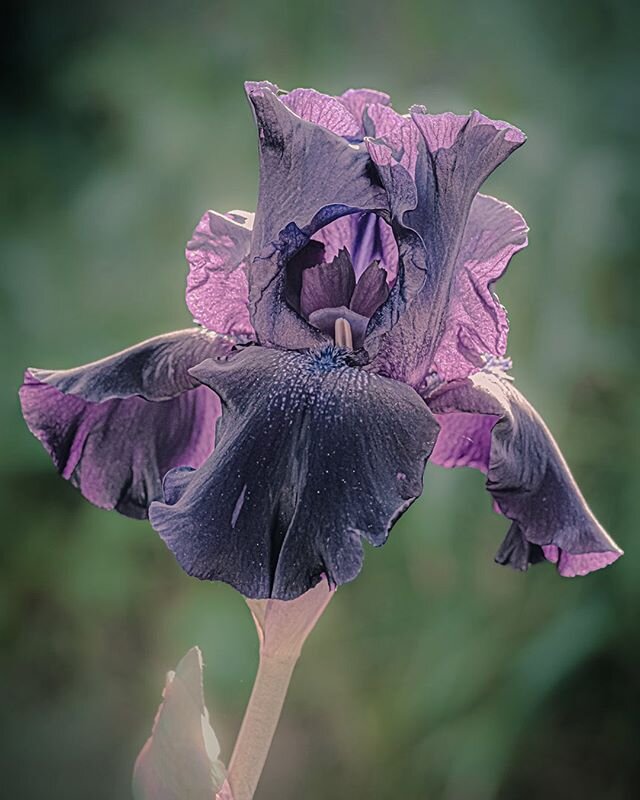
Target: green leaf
point(180, 761)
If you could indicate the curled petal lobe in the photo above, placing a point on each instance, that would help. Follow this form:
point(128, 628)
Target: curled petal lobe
point(464, 440)
point(527, 476)
point(476, 324)
point(217, 287)
point(393, 140)
point(115, 427)
point(156, 369)
point(312, 456)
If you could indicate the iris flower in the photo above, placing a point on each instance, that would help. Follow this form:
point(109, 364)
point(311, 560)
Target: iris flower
point(346, 333)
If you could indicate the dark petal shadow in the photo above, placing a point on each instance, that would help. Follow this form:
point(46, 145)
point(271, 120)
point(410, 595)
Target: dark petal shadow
point(327, 285)
point(115, 427)
point(371, 290)
point(527, 475)
point(312, 456)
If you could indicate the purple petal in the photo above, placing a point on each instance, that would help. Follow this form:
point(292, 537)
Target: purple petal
point(115, 427)
point(464, 440)
point(570, 566)
point(309, 176)
point(322, 109)
point(371, 290)
point(327, 285)
point(452, 158)
point(394, 139)
point(527, 475)
point(477, 325)
point(217, 288)
point(313, 455)
point(358, 102)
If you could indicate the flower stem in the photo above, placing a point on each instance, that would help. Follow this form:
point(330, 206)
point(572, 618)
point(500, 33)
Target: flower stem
point(259, 724)
point(282, 627)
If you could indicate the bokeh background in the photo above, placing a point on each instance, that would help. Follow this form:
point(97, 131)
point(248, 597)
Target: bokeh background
point(437, 674)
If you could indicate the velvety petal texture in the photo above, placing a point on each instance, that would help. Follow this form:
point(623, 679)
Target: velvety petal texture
point(527, 475)
point(116, 426)
point(217, 287)
point(313, 455)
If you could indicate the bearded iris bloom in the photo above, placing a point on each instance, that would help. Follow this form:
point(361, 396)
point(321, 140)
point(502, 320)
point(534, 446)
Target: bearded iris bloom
point(346, 333)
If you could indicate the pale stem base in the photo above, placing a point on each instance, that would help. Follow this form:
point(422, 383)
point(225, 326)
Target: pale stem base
point(259, 725)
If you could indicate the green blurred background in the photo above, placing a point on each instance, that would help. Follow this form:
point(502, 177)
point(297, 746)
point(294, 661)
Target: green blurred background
point(436, 675)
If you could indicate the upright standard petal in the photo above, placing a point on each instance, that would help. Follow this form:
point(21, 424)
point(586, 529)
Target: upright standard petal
point(309, 176)
point(312, 455)
point(432, 177)
point(527, 475)
point(217, 286)
point(116, 426)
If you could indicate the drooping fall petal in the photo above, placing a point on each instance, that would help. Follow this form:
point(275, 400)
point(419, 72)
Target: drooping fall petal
point(312, 456)
point(116, 426)
point(527, 476)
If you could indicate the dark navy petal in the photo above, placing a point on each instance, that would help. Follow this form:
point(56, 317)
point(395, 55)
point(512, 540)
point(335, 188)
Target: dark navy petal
point(115, 427)
point(485, 422)
point(312, 456)
point(309, 176)
point(432, 167)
